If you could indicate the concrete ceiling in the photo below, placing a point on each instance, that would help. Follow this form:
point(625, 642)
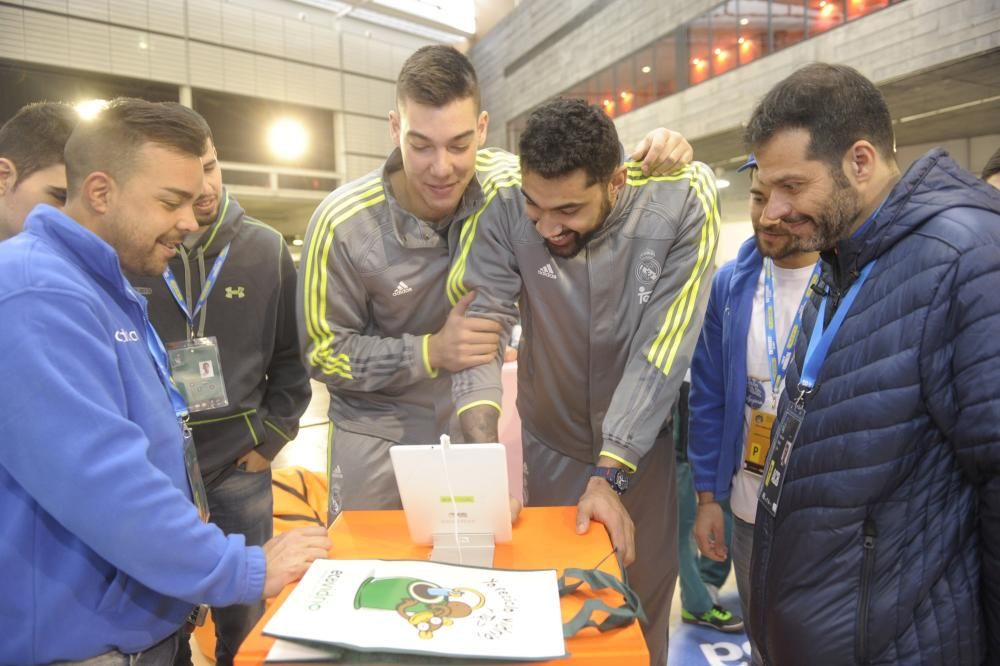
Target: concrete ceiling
point(953, 100)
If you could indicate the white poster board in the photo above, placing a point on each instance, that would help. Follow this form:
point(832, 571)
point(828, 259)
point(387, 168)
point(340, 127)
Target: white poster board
point(424, 608)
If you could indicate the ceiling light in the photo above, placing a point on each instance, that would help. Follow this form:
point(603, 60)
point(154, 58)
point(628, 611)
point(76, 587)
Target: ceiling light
point(722, 183)
point(287, 139)
point(646, 69)
point(88, 109)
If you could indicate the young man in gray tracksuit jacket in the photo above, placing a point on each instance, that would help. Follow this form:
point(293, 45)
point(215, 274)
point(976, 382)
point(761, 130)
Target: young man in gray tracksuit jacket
point(611, 271)
point(371, 297)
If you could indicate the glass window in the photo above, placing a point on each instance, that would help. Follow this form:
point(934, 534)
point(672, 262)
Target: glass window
point(240, 126)
point(625, 85)
point(825, 14)
point(699, 43)
point(725, 37)
point(581, 91)
point(645, 81)
point(606, 92)
point(665, 67)
point(788, 24)
point(753, 40)
point(856, 8)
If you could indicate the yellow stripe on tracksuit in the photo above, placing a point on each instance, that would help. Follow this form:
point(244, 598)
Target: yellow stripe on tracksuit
point(509, 177)
point(341, 208)
point(681, 310)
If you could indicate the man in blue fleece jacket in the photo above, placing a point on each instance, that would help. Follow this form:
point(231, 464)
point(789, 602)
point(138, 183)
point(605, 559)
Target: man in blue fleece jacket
point(103, 554)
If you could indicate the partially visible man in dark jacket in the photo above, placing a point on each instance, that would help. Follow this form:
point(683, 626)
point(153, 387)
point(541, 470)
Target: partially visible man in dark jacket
point(878, 529)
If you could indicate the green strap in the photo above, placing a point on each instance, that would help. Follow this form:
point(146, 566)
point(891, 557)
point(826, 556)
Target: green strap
point(619, 616)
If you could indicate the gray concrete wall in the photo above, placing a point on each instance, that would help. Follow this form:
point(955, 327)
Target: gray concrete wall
point(270, 49)
point(889, 44)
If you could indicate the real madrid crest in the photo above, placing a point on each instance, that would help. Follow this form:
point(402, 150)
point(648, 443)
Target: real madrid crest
point(647, 272)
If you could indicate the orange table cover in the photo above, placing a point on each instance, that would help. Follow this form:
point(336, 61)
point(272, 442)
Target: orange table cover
point(544, 538)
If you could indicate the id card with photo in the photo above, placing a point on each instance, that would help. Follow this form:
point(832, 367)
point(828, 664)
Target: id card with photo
point(197, 371)
point(785, 435)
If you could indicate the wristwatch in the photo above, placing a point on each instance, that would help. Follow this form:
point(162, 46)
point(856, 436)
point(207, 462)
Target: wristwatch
point(616, 477)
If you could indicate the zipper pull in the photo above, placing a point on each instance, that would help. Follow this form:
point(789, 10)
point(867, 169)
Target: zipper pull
point(869, 531)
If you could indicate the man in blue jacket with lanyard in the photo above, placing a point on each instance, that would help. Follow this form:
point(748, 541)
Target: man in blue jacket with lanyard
point(879, 509)
point(737, 374)
point(246, 384)
point(104, 555)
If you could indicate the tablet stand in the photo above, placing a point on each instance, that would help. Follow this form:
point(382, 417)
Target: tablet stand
point(474, 550)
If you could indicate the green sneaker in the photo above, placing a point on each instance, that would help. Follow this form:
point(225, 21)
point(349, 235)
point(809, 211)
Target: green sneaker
point(717, 618)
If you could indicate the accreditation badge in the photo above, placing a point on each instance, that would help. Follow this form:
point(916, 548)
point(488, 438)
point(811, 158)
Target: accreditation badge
point(193, 469)
point(758, 441)
point(776, 466)
point(197, 372)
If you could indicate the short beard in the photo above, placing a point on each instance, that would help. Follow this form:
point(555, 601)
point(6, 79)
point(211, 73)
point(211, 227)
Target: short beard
point(832, 224)
point(580, 241)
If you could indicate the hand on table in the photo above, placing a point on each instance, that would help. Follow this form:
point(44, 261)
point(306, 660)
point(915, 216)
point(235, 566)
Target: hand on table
point(599, 502)
point(288, 555)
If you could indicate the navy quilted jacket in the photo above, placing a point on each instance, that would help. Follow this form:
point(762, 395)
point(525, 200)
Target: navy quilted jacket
point(886, 545)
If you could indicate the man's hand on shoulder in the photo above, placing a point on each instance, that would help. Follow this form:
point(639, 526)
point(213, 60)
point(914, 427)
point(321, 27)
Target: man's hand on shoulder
point(288, 555)
point(599, 502)
point(662, 151)
point(463, 342)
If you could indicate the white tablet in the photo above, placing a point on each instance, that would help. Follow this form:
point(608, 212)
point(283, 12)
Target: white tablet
point(434, 481)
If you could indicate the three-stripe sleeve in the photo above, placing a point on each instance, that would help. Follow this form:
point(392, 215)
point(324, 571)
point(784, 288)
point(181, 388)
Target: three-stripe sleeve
point(670, 323)
point(485, 263)
point(333, 303)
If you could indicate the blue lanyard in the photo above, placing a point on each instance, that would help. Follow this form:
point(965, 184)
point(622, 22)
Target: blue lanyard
point(779, 366)
point(159, 354)
point(822, 337)
point(206, 288)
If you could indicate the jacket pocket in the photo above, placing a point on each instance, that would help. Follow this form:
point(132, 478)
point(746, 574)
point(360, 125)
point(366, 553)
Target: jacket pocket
point(869, 534)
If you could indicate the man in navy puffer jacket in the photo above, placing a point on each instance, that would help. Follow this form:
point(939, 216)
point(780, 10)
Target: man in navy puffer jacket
point(884, 546)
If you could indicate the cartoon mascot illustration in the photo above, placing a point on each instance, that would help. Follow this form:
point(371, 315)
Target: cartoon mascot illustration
point(424, 605)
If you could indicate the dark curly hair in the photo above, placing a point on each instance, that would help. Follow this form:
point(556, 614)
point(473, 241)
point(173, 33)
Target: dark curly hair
point(564, 135)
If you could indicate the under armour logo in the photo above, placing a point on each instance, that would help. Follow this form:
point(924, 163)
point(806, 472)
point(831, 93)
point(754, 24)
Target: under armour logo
point(235, 292)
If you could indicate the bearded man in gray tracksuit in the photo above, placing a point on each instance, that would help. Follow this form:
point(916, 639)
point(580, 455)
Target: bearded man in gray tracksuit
point(611, 271)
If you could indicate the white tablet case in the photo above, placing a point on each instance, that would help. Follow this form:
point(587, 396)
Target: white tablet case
point(475, 473)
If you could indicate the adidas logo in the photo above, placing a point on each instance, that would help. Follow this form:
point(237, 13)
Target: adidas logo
point(546, 271)
point(401, 289)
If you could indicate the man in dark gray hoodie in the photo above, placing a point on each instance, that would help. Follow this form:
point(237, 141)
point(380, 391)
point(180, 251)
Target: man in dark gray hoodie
point(225, 308)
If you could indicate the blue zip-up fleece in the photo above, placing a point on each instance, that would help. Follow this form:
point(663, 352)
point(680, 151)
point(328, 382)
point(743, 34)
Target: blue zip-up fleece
point(886, 544)
point(719, 374)
point(100, 545)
